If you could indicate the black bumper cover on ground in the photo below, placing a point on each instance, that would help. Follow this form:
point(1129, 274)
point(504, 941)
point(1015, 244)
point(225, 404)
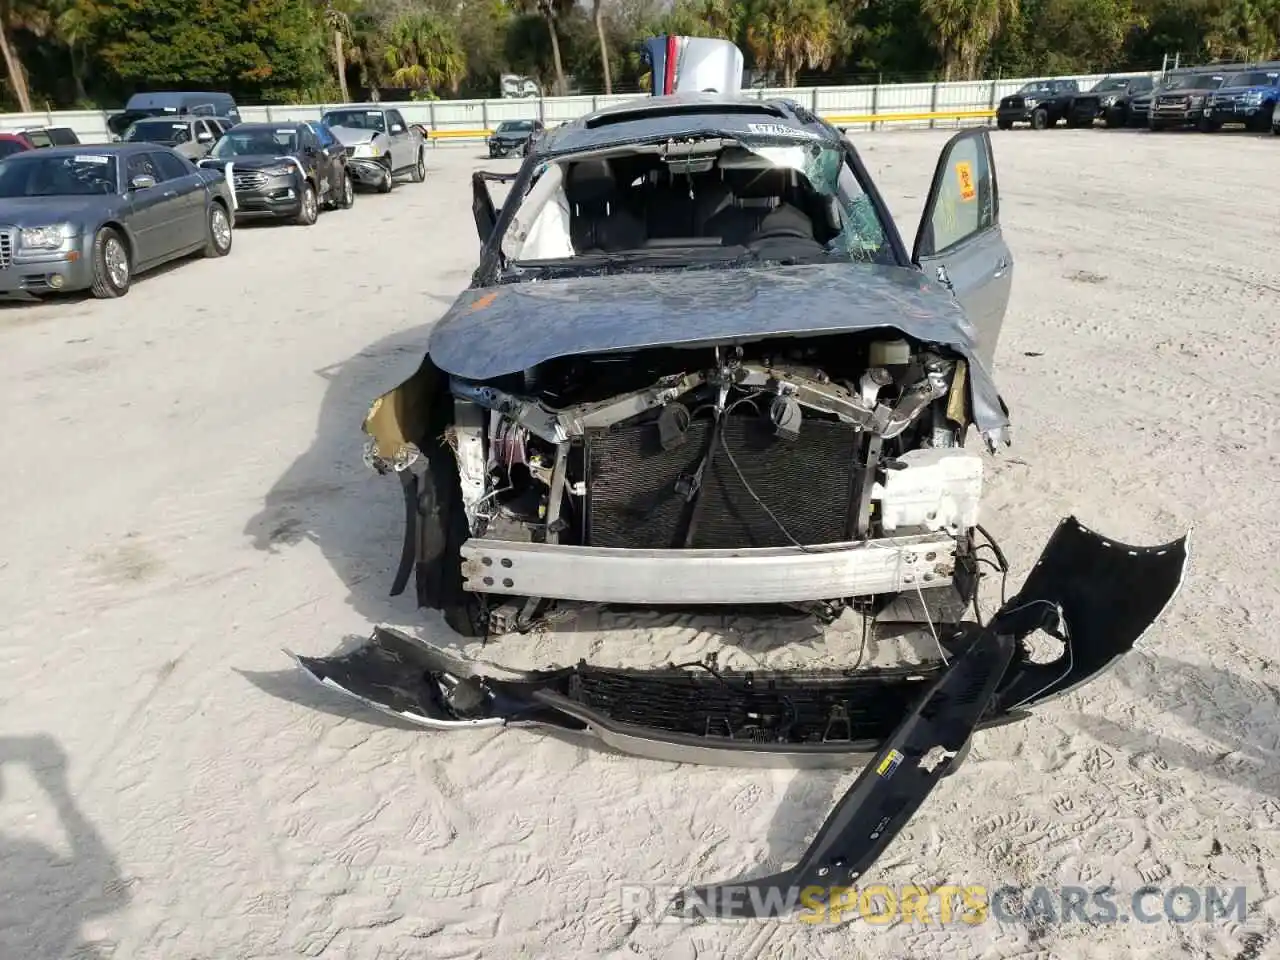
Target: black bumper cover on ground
point(1097, 596)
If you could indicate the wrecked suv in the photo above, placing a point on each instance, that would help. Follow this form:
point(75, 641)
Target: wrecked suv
point(697, 365)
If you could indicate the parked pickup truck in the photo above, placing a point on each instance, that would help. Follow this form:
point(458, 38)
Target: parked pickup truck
point(1183, 101)
point(1248, 97)
point(1109, 99)
point(1041, 103)
point(380, 145)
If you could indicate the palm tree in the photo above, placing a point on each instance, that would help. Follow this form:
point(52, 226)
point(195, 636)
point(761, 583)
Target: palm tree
point(963, 31)
point(74, 26)
point(550, 11)
point(337, 18)
point(423, 50)
point(791, 35)
point(604, 47)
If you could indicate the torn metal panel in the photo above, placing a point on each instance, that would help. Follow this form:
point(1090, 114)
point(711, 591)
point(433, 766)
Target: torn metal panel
point(399, 420)
point(466, 438)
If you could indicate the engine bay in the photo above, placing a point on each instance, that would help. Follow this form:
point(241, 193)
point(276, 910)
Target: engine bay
point(789, 441)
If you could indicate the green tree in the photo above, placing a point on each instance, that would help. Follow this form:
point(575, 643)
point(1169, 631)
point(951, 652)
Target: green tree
point(338, 19)
point(33, 16)
point(598, 18)
point(963, 31)
point(551, 12)
point(423, 50)
point(792, 35)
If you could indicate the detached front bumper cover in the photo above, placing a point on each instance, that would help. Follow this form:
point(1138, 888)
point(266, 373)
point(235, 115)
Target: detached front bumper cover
point(1097, 596)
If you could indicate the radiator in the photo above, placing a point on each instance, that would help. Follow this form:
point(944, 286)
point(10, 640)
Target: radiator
point(807, 483)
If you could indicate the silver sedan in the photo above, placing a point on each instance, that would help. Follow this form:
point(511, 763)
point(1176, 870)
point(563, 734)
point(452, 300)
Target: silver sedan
point(92, 217)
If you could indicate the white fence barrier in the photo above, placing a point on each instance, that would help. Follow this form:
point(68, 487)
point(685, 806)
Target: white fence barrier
point(859, 107)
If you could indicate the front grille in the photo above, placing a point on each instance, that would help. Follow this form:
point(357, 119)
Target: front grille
point(249, 181)
point(815, 707)
point(634, 500)
point(1172, 102)
point(6, 249)
point(1013, 102)
point(351, 151)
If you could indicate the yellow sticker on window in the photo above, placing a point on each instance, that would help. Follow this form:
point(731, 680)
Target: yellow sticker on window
point(964, 174)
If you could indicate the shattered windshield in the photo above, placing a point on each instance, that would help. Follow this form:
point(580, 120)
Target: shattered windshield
point(699, 204)
point(515, 126)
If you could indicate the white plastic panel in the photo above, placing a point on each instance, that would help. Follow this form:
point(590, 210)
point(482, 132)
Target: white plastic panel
point(940, 489)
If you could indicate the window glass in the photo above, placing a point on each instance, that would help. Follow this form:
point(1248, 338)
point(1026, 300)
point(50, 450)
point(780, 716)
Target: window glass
point(324, 135)
point(965, 203)
point(141, 165)
point(171, 165)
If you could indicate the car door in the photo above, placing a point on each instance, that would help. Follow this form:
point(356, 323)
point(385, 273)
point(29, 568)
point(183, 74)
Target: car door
point(482, 206)
point(401, 143)
point(151, 212)
point(315, 160)
point(179, 177)
point(960, 243)
point(334, 157)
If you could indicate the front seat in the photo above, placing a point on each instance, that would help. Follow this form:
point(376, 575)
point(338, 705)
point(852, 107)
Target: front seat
point(598, 221)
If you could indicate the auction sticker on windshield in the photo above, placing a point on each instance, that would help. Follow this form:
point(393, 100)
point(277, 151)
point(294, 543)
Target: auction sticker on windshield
point(964, 174)
point(91, 158)
point(777, 130)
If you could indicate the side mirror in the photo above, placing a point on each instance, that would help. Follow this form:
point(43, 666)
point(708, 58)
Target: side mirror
point(204, 136)
point(142, 182)
point(396, 128)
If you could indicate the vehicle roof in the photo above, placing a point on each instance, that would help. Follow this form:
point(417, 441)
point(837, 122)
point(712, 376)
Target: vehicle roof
point(372, 107)
point(99, 149)
point(142, 101)
point(682, 114)
point(263, 124)
point(13, 135)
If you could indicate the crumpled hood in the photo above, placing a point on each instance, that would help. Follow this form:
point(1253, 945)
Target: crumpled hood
point(493, 331)
point(353, 136)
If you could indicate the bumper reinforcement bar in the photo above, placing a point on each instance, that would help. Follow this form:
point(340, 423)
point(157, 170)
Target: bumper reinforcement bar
point(694, 577)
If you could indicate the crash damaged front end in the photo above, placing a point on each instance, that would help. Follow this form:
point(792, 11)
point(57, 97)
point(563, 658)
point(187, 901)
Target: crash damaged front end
point(827, 470)
point(911, 725)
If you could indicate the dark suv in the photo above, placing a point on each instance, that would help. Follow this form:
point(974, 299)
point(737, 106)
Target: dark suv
point(286, 169)
point(1109, 98)
point(1041, 103)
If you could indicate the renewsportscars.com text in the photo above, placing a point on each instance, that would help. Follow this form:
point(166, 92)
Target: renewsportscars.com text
point(966, 905)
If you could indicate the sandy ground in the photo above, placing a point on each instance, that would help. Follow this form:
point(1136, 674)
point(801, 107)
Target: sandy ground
point(184, 496)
